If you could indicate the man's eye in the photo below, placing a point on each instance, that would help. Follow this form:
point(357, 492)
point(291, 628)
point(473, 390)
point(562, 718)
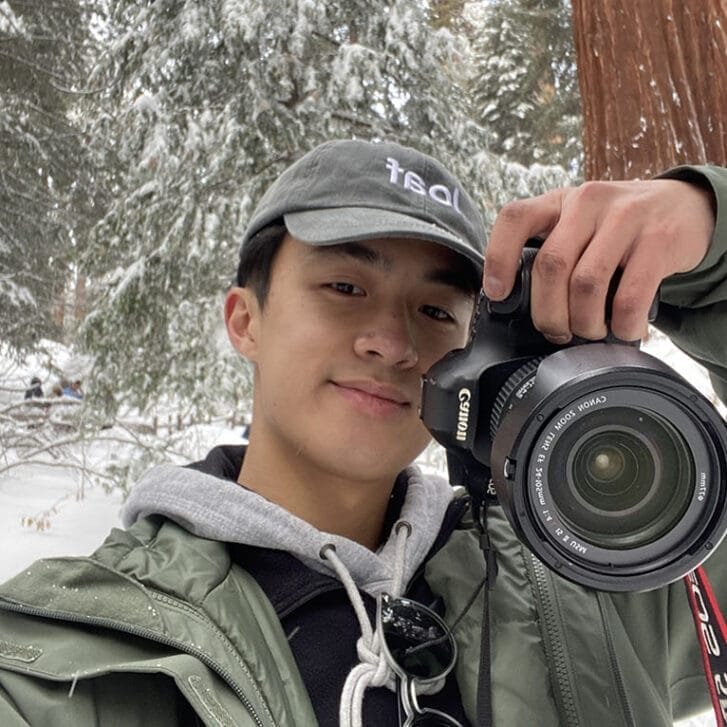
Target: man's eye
point(346, 288)
point(438, 314)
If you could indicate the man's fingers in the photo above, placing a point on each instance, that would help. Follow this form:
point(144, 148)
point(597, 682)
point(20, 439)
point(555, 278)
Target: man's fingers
point(591, 279)
point(553, 270)
point(515, 224)
point(549, 291)
point(650, 229)
point(636, 291)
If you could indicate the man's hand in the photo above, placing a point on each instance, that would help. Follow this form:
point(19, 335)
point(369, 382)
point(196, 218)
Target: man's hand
point(650, 229)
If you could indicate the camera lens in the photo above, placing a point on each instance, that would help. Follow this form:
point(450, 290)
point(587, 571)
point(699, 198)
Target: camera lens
point(609, 466)
point(623, 478)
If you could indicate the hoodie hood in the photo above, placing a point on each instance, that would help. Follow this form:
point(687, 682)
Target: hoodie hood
point(220, 509)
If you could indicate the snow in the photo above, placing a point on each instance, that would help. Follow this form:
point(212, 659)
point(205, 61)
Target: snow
point(146, 104)
point(74, 525)
point(49, 511)
point(16, 295)
point(11, 24)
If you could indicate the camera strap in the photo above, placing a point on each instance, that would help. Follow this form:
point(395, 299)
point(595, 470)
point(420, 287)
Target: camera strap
point(712, 637)
point(484, 687)
point(482, 493)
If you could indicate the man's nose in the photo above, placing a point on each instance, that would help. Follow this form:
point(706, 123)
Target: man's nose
point(389, 339)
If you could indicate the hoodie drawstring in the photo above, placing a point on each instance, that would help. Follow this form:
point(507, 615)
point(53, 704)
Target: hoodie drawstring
point(373, 669)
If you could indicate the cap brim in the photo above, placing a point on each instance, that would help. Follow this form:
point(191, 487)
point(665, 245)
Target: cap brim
point(338, 225)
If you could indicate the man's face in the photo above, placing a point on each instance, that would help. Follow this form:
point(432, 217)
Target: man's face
point(340, 347)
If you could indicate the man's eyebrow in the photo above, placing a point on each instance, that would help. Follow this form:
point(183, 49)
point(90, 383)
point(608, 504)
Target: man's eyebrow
point(357, 251)
point(458, 279)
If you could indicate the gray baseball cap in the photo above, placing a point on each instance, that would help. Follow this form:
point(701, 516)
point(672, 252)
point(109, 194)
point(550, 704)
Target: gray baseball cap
point(346, 191)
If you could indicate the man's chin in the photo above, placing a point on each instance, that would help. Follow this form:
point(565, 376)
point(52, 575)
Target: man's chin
point(368, 464)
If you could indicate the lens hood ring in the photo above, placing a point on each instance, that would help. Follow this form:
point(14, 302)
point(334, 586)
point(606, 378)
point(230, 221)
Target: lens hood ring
point(526, 428)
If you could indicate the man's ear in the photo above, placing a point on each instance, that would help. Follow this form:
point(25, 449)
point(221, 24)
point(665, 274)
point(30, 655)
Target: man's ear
point(242, 319)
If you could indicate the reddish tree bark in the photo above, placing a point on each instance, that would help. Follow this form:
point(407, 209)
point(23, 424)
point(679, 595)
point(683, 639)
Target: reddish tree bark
point(653, 81)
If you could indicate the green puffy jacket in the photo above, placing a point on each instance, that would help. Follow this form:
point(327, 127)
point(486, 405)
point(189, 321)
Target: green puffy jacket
point(158, 627)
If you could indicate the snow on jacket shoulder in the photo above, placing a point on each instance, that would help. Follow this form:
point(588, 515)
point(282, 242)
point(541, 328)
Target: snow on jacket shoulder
point(158, 625)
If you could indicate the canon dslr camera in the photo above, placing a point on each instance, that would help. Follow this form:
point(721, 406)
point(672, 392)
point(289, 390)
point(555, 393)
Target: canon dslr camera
point(609, 465)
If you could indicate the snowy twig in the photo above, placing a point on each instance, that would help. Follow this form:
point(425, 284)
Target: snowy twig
point(351, 119)
point(62, 465)
point(30, 64)
point(39, 404)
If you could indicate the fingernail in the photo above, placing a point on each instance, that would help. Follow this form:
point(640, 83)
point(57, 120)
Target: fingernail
point(494, 288)
point(558, 340)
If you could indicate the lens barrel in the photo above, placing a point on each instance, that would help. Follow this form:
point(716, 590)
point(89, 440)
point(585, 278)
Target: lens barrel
point(610, 467)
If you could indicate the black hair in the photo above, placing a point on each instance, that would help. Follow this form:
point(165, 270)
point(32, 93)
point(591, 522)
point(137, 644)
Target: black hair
point(256, 260)
point(471, 278)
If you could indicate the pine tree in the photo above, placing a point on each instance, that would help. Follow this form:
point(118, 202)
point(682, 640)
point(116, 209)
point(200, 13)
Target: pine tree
point(524, 81)
point(45, 174)
point(210, 100)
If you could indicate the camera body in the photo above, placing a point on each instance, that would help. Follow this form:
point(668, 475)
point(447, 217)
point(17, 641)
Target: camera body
point(609, 465)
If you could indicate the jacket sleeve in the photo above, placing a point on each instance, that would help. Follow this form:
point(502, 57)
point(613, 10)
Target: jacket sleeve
point(693, 305)
point(31, 700)
point(693, 313)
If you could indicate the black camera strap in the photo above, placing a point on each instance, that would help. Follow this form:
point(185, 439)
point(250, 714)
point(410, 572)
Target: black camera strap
point(712, 637)
point(481, 496)
point(484, 689)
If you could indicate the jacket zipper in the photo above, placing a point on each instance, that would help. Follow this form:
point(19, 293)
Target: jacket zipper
point(153, 636)
point(615, 668)
point(560, 674)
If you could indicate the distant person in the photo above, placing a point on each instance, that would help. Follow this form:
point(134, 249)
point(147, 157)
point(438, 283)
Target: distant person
point(73, 390)
point(35, 391)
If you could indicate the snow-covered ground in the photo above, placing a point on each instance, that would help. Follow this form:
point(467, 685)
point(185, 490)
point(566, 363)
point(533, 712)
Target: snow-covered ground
point(47, 511)
point(51, 498)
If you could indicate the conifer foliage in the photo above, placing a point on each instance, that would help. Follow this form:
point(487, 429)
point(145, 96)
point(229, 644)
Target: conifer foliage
point(139, 144)
point(45, 175)
point(211, 100)
point(524, 81)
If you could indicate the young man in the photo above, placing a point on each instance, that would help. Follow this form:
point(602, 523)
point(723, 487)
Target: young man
point(244, 591)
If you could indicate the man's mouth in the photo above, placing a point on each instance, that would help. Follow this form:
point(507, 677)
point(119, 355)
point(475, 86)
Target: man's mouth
point(374, 397)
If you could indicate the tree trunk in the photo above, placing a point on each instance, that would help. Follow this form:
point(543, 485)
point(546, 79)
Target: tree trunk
point(79, 299)
point(653, 81)
point(58, 310)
